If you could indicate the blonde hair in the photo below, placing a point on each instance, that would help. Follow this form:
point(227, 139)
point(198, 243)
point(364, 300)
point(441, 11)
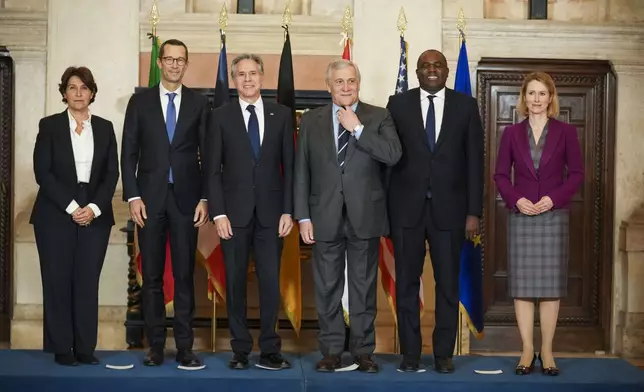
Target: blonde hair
point(553, 106)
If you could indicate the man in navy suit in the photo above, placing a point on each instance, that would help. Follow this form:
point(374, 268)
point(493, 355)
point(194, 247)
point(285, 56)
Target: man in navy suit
point(250, 161)
point(163, 133)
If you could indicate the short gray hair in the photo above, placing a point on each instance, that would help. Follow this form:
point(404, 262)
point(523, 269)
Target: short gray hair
point(340, 64)
point(246, 56)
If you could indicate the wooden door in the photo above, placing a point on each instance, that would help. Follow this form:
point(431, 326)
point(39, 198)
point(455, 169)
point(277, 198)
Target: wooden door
point(6, 160)
point(586, 92)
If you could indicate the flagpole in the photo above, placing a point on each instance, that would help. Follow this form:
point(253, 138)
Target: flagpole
point(154, 18)
point(286, 18)
point(460, 26)
point(402, 26)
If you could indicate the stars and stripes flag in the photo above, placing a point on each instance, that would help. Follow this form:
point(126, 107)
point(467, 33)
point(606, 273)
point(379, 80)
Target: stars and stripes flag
point(386, 262)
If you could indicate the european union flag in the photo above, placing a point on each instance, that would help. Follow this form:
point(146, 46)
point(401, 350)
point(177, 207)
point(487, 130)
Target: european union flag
point(221, 86)
point(470, 280)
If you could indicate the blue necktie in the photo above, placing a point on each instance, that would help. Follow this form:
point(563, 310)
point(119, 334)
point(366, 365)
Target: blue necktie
point(430, 124)
point(253, 131)
point(430, 130)
point(171, 123)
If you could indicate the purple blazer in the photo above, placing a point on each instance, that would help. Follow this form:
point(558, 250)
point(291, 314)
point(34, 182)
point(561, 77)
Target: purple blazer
point(561, 151)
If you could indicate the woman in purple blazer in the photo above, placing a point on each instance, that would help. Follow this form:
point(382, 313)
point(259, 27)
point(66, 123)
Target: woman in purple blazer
point(538, 149)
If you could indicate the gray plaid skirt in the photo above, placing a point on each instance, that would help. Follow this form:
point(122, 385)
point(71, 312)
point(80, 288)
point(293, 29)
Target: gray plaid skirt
point(538, 255)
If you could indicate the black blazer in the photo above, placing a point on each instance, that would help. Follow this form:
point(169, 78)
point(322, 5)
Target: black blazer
point(146, 151)
point(55, 170)
point(237, 184)
point(453, 172)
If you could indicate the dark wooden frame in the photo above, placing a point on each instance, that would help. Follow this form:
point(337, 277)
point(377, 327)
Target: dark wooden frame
point(7, 83)
point(594, 330)
point(304, 99)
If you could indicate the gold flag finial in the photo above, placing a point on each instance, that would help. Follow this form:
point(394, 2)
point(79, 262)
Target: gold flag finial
point(460, 26)
point(402, 21)
point(347, 21)
point(223, 19)
point(154, 17)
point(287, 16)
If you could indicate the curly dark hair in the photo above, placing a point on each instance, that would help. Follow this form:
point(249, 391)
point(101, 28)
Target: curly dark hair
point(84, 74)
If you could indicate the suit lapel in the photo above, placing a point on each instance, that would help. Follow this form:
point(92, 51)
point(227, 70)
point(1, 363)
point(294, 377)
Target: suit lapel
point(185, 110)
point(327, 135)
point(239, 126)
point(66, 139)
point(552, 139)
point(363, 115)
point(99, 141)
point(524, 146)
point(270, 128)
point(449, 113)
point(157, 112)
point(416, 108)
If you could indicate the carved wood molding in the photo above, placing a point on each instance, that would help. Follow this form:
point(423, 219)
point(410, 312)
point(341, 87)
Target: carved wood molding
point(258, 33)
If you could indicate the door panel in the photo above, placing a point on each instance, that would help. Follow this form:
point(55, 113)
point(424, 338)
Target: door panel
point(586, 91)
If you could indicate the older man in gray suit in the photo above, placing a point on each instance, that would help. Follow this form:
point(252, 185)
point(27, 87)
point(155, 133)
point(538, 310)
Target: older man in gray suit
point(343, 149)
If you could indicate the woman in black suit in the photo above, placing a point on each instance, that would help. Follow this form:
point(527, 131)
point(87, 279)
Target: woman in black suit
point(76, 167)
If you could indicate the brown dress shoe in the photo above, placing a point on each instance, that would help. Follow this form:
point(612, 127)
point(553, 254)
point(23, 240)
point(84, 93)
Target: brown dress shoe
point(329, 363)
point(366, 364)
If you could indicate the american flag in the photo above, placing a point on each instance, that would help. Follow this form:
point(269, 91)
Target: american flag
point(401, 82)
point(386, 261)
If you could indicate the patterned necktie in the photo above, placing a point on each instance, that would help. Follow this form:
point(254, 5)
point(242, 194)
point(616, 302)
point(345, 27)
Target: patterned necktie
point(171, 123)
point(430, 124)
point(343, 142)
point(253, 131)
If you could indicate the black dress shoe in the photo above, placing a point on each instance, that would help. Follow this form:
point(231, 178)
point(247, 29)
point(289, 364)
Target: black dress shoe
point(329, 363)
point(239, 361)
point(187, 358)
point(548, 371)
point(154, 357)
point(443, 365)
point(87, 359)
point(409, 365)
point(522, 370)
point(366, 364)
point(273, 361)
point(67, 359)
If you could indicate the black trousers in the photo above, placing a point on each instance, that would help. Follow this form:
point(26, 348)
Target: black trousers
point(328, 276)
point(183, 245)
point(267, 249)
point(409, 251)
point(71, 259)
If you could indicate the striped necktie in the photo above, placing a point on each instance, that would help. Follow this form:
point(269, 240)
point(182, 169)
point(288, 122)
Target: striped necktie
point(343, 142)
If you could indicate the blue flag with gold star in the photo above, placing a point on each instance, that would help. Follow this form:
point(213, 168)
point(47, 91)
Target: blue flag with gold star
point(470, 279)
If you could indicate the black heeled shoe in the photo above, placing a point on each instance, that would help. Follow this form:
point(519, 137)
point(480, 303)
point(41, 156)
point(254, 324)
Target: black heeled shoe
point(522, 370)
point(548, 371)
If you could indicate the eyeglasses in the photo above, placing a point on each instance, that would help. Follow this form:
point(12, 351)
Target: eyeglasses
point(170, 60)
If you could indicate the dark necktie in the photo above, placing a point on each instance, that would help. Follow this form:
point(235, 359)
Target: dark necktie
point(253, 131)
point(171, 123)
point(343, 142)
point(430, 124)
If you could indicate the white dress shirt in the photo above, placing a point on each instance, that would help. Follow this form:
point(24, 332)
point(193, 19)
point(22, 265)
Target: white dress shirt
point(83, 148)
point(163, 94)
point(259, 110)
point(439, 105)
